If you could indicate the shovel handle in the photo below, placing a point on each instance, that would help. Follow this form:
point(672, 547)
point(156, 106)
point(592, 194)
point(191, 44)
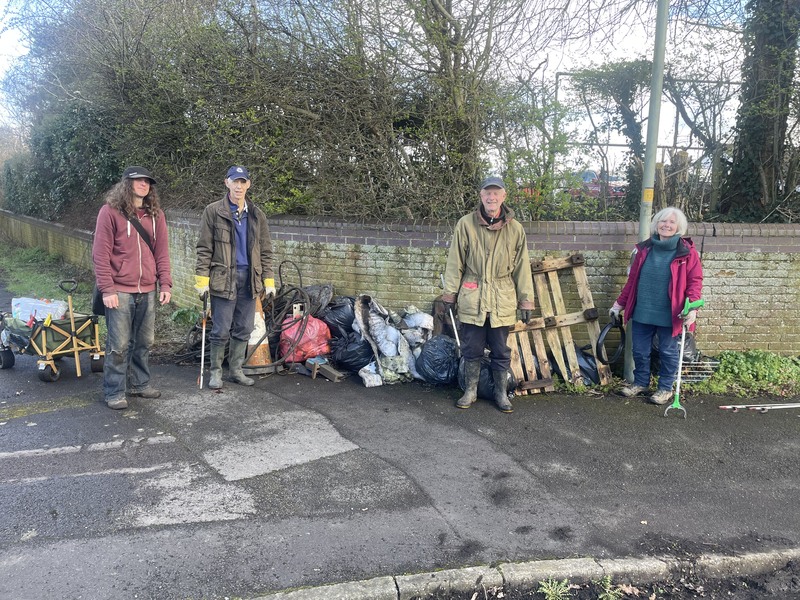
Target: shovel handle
point(68, 285)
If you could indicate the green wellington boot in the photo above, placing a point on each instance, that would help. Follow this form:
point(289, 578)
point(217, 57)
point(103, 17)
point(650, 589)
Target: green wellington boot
point(235, 362)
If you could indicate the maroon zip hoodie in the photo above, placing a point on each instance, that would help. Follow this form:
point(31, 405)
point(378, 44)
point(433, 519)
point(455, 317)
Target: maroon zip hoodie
point(122, 260)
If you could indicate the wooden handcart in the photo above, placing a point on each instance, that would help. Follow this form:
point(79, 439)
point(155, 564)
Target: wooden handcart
point(52, 339)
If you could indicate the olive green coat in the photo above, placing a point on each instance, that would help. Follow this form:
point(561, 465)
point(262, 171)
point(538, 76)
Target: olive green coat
point(488, 270)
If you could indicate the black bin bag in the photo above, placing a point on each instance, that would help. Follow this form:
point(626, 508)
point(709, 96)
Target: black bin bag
point(437, 362)
point(350, 352)
point(339, 315)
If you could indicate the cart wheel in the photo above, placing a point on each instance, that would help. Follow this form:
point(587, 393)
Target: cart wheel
point(48, 374)
point(194, 339)
point(96, 364)
point(6, 359)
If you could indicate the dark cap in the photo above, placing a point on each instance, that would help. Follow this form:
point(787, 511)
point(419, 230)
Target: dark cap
point(138, 173)
point(493, 182)
point(238, 173)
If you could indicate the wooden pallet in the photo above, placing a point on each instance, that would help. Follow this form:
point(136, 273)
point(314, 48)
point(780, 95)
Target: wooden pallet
point(529, 363)
point(555, 322)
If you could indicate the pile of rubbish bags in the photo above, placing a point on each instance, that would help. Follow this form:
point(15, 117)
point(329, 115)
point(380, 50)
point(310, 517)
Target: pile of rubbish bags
point(359, 335)
point(386, 343)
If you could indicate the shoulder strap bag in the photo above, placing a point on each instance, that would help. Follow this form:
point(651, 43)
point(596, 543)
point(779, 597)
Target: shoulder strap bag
point(142, 232)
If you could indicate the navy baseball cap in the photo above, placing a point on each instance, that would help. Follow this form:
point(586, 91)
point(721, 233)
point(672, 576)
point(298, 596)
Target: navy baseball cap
point(138, 173)
point(493, 182)
point(238, 173)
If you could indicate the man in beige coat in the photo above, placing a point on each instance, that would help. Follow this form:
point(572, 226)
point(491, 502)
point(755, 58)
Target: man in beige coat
point(488, 273)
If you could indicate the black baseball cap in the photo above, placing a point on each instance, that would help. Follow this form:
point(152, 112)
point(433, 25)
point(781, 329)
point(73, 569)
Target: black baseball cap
point(138, 173)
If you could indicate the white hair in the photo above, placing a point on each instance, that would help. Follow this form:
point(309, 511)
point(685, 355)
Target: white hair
point(683, 223)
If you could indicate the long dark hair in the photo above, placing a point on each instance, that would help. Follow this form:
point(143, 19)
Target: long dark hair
point(121, 197)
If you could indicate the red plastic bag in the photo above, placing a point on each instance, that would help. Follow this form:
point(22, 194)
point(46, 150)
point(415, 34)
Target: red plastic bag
point(314, 342)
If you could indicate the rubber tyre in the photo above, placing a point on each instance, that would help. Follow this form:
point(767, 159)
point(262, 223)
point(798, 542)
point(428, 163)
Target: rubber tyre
point(6, 359)
point(97, 365)
point(48, 375)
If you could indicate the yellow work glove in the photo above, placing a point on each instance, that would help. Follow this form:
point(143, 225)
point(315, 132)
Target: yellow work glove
point(269, 287)
point(201, 285)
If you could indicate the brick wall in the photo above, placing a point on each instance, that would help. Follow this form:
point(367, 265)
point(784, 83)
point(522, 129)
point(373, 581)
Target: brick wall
point(752, 272)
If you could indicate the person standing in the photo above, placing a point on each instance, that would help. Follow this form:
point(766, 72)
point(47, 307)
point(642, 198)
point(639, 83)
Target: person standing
point(665, 271)
point(130, 253)
point(234, 266)
point(489, 274)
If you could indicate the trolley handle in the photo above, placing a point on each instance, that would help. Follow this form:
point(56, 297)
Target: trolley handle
point(68, 288)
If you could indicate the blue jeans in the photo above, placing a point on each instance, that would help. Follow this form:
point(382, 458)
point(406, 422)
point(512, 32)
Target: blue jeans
point(234, 318)
point(131, 333)
point(668, 349)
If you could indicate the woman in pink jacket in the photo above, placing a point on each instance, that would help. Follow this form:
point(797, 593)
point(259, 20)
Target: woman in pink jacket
point(131, 265)
point(665, 271)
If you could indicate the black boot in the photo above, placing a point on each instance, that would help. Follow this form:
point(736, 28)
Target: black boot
point(501, 390)
point(472, 374)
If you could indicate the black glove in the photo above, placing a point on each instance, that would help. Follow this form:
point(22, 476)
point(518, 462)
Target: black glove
point(526, 315)
point(449, 306)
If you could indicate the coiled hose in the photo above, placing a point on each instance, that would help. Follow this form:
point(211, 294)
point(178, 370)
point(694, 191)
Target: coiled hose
point(600, 350)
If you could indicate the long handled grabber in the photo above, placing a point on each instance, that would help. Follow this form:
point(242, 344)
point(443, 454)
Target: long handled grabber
point(676, 403)
point(203, 341)
point(452, 320)
point(762, 408)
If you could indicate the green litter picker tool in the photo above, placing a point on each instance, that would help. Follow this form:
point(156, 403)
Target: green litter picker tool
point(676, 403)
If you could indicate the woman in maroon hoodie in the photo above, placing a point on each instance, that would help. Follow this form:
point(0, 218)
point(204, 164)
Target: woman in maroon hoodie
point(131, 260)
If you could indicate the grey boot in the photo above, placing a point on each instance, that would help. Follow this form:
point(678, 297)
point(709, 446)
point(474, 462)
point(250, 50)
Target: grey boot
point(235, 362)
point(501, 390)
point(472, 375)
point(217, 356)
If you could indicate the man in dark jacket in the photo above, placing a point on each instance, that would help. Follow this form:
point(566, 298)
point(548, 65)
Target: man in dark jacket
point(234, 266)
point(488, 271)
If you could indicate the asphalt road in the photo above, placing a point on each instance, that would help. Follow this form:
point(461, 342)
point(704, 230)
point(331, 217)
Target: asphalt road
point(301, 482)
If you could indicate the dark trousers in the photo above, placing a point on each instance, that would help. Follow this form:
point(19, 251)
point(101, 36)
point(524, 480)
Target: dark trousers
point(234, 318)
point(474, 338)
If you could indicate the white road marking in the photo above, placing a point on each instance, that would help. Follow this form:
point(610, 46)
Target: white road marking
point(191, 494)
point(95, 447)
point(123, 471)
point(285, 440)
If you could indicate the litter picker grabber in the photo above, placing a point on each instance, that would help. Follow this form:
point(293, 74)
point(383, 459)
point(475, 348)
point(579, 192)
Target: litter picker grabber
point(760, 407)
point(676, 403)
point(203, 340)
point(452, 320)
